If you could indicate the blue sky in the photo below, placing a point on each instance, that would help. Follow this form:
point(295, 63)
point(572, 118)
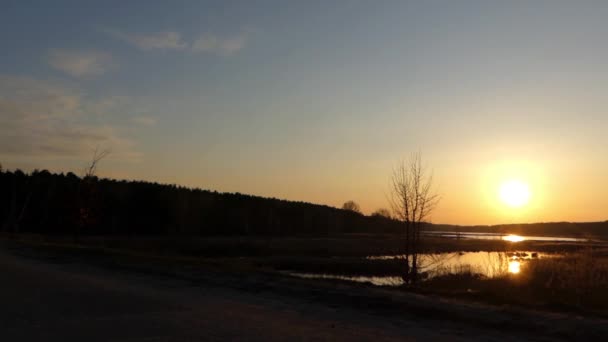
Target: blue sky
point(316, 100)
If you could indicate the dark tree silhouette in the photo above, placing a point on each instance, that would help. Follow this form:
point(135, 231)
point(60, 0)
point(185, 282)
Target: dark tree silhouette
point(88, 194)
point(67, 204)
point(351, 206)
point(412, 199)
point(382, 212)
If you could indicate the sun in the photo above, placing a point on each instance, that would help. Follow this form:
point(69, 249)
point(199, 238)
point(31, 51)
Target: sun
point(514, 193)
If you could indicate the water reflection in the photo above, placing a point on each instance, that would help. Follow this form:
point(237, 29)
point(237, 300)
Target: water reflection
point(486, 264)
point(513, 238)
point(497, 236)
point(378, 281)
point(514, 267)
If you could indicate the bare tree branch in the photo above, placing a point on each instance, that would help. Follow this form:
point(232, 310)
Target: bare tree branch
point(91, 168)
point(412, 200)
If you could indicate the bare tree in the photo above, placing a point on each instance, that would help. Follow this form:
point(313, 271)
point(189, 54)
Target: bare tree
point(91, 169)
point(352, 206)
point(412, 200)
point(87, 192)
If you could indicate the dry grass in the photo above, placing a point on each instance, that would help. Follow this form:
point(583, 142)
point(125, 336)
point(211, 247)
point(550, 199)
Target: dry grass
point(579, 279)
point(575, 282)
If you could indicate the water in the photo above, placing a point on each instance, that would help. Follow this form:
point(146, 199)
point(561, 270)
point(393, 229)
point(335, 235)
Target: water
point(497, 236)
point(378, 281)
point(487, 264)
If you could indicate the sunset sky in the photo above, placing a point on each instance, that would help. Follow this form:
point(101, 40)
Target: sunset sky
point(318, 100)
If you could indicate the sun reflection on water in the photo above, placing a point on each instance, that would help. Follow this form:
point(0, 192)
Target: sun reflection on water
point(484, 264)
point(513, 238)
point(514, 266)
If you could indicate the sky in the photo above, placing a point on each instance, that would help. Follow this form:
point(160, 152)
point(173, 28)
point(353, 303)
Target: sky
point(318, 101)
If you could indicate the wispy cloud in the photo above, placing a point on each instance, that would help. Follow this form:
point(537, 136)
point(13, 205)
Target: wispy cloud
point(210, 43)
point(144, 120)
point(79, 63)
point(106, 104)
point(224, 45)
point(165, 40)
point(43, 119)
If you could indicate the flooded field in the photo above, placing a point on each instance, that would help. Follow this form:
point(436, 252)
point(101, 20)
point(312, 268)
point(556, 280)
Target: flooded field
point(485, 264)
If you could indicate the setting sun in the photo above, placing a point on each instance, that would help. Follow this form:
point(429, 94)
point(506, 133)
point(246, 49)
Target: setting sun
point(514, 193)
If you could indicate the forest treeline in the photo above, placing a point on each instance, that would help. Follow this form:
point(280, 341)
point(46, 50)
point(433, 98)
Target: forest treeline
point(46, 203)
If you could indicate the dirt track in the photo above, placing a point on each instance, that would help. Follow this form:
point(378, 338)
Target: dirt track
point(43, 301)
